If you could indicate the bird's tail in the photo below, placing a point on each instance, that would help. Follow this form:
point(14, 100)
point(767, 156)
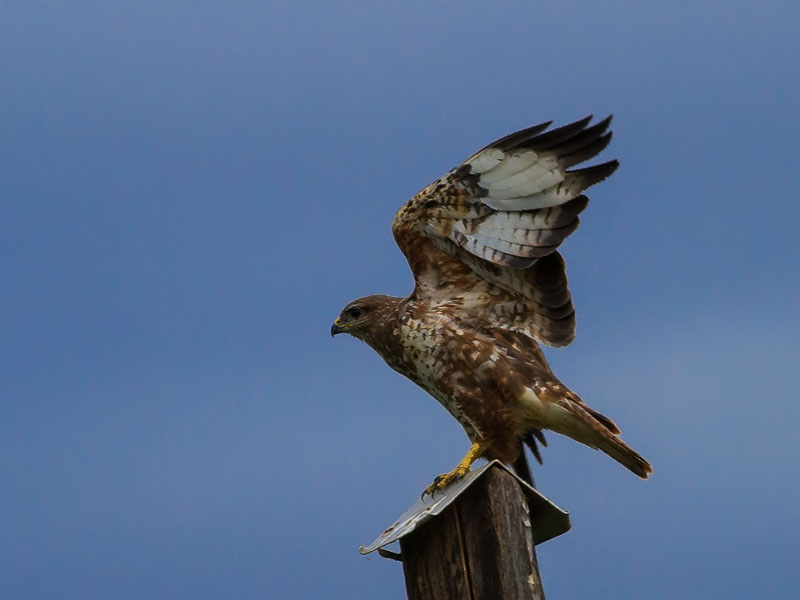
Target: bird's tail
point(605, 436)
point(625, 455)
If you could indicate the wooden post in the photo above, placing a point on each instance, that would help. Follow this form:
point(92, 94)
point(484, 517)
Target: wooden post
point(480, 548)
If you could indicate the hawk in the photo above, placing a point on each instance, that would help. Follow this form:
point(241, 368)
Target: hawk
point(489, 284)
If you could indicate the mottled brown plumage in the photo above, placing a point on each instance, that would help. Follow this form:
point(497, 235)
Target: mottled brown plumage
point(481, 242)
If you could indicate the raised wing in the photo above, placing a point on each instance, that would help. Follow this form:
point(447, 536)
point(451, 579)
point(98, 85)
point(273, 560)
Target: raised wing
point(485, 234)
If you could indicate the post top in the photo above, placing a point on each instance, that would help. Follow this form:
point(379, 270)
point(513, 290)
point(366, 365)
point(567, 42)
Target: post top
point(548, 520)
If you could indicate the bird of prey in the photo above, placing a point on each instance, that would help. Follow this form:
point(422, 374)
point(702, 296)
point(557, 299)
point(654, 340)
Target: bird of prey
point(482, 243)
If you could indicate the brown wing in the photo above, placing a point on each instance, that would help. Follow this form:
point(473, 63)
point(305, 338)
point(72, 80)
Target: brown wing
point(485, 234)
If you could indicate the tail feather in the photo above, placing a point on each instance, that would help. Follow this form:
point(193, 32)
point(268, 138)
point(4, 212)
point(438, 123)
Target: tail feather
point(554, 406)
point(603, 434)
point(625, 455)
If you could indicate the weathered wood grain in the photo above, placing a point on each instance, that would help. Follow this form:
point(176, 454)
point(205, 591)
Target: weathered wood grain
point(480, 548)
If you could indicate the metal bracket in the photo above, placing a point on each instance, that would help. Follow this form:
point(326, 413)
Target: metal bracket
point(548, 520)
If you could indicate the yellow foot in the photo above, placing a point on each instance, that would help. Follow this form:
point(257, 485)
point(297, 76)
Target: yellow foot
point(445, 479)
point(442, 481)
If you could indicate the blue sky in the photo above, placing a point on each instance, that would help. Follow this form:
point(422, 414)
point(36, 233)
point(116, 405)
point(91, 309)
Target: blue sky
point(191, 191)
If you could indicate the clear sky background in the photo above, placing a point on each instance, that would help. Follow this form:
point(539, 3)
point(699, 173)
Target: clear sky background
point(191, 191)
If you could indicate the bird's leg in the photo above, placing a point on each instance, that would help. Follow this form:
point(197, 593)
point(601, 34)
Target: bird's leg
point(442, 481)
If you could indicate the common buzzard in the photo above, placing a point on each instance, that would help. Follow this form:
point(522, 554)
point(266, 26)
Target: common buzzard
point(482, 244)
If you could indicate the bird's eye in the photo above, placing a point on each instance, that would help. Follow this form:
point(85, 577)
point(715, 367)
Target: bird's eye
point(355, 312)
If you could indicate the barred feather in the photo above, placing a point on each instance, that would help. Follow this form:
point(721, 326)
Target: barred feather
point(505, 209)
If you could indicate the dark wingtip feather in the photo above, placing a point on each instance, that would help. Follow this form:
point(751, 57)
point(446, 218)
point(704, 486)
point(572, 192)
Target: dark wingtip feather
point(558, 312)
point(592, 175)
point(514, 140)
point(577, 204)
point(558, 342)
point(581, 139)
point(571, 136)
point(549, 273)
point(603, 125)
point(554, 302)
point(559, 332)
point(559, 135)
point(586, 152)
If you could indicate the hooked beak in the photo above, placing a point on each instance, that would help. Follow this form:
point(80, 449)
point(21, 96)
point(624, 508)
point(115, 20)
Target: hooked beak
point(336, 327)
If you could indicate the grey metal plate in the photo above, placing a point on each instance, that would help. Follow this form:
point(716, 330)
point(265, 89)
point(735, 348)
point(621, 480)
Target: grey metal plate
point(549, 520)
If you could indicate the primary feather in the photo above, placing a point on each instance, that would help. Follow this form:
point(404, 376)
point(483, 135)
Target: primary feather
point(506, 207)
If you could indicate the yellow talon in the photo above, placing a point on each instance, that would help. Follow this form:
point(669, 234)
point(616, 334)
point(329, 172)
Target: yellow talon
point(445, 479)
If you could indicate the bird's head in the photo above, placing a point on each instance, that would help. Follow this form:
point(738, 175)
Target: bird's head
point(364, 316)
